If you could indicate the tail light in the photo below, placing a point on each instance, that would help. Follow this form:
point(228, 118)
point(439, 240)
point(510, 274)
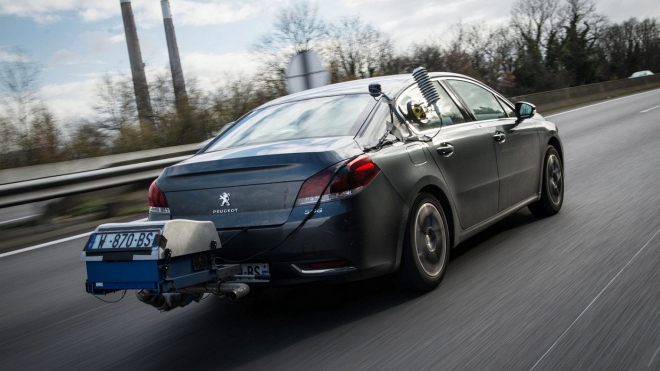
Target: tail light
point(157, 200)
point(350, 180)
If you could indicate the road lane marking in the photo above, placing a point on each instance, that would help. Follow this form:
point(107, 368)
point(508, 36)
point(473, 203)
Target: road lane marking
point(646, 110)
point(598, 104)
point(44, 245)
point(17, 219)
point(53, 242)
point(653, 358)
point(593, 301)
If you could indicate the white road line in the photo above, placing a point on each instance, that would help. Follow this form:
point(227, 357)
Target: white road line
point(598, 104)
point(653, 358)
point(593, 301)
point(52, 243)
point(646, 110)
point(44, 245)
point(17, 219)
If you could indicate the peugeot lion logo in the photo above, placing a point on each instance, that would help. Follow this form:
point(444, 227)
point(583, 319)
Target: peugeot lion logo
point(225, 199)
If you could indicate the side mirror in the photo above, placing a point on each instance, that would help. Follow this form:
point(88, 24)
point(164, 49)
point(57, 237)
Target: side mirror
point(524, 110)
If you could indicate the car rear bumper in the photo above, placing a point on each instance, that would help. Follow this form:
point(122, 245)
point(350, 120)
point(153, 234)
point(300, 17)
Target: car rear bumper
point(365, 230)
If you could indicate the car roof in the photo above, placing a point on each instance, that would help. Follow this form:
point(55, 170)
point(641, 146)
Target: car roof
point(391, 85)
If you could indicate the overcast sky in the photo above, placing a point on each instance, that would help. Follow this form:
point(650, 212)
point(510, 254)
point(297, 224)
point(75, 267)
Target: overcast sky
point(77, 41)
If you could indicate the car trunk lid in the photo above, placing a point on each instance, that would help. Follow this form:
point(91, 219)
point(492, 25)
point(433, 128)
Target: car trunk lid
point(254, 185)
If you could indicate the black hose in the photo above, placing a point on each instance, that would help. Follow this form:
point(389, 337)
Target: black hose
point(302, 223)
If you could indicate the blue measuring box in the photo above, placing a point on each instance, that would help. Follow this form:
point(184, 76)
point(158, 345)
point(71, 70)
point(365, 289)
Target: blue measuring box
point(159, 256)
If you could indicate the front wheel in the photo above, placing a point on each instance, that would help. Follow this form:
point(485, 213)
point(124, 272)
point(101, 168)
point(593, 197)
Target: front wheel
point(426, 247)
point(552, 191)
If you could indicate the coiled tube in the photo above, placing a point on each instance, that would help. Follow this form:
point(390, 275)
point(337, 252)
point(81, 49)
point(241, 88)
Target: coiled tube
point(425, 85)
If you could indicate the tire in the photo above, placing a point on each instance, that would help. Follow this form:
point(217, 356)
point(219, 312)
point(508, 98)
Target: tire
point(552, 191)
point(426, 246)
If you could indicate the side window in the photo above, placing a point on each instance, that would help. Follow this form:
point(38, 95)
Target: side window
point(482, 102)
point(451, 115)
point(507, 108)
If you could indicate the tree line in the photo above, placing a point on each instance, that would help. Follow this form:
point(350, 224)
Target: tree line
point(545, 45)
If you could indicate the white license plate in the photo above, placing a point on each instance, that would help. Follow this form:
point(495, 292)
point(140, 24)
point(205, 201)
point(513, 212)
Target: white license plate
point(249, 270)
point(123, 240)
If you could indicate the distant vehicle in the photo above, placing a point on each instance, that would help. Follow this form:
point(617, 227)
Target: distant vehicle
point(340, 183)
point(641, 74)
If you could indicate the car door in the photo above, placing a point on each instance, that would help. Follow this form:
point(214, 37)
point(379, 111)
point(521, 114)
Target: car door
point(516, 144)
point(464, 153)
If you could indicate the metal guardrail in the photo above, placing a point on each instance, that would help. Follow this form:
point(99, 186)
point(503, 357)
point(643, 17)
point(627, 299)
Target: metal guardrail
point(28, 191)
point(561, 98)
point(21, 174)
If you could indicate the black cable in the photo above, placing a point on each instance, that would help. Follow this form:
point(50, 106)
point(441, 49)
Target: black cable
point(112, 302)
point(437, 132)
point(405, 123)
point(302, 223)
point(234, 236)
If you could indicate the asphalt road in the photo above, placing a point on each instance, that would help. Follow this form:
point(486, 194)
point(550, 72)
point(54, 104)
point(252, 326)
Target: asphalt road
point(576, 291)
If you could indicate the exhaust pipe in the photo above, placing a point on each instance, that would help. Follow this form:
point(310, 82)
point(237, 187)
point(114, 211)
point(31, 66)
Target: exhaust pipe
point(168, 301)
point(234, 291)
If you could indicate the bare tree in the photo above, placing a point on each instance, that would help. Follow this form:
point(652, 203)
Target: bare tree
point(237, 96)
point(297, 28)
point(10, 149)
point(86, 139)
point(538, 27)
point(583, 29)
point(42, 146)
point(116, 112)
point(19, 82)
point(30, 134)
point(490, 53)
point(180, 122)
point(358, 49)
point(537, 22)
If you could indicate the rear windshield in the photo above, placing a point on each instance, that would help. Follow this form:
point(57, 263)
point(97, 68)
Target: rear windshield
point(318, 117)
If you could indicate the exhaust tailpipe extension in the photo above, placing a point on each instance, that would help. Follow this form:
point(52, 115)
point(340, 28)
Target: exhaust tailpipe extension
point(234, 291)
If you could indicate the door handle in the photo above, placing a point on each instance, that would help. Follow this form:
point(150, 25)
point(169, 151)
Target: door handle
point(445, 149)
point(499, 137)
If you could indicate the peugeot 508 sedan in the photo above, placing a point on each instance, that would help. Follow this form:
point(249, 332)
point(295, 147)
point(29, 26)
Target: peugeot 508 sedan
point(334, 184)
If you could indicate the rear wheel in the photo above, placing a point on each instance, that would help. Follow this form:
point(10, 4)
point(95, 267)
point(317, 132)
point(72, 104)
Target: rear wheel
point(552, 192)
point(426, 247)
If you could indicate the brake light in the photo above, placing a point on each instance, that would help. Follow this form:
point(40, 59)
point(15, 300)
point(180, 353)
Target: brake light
point(350, 180)
point(156, 196)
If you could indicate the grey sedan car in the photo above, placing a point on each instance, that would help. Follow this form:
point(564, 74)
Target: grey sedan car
point(337, 184)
